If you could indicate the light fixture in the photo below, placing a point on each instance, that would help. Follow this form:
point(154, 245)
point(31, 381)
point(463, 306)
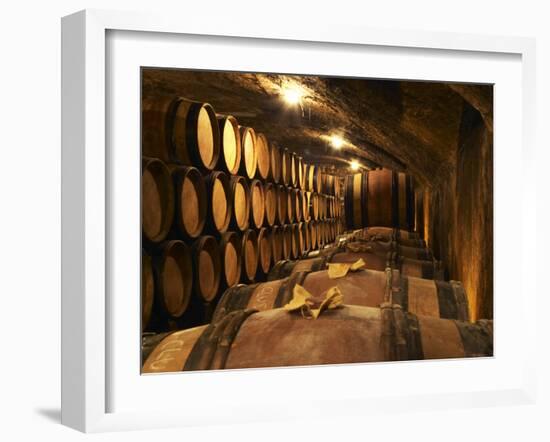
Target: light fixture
point(292, 94)
point(354, 165)
point(336, 141)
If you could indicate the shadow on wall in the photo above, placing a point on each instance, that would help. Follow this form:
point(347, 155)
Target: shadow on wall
point(459, 213)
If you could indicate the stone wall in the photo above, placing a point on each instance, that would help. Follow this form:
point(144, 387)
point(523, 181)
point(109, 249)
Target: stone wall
point(458, 210)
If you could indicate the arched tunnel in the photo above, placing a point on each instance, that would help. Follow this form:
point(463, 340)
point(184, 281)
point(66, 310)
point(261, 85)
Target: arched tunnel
point(439, 135)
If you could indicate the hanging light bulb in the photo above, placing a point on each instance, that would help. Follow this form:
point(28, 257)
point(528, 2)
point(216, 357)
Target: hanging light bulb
point(337, 141)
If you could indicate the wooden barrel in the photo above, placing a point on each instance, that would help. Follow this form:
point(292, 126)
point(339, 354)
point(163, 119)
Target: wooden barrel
point(314, 177)
point(249, 155)
point(312, 234)
point(276, 163)
point(306, 243)
point(297, 241)
point(300, 175)
point(282, 204)
point(384, 247)
point(320, 234)
point(147, 289)
point(411, 239)
point(349, 334)
point(181, 131)
point(322, 207)
point(304, 205)
point(291, 206)
point(157, 199)
point(191, 201)
point(173, 278)
point(286, 167)
point(264, 251)
point(206, 267)
point(317, 179)
point(368, 288)
point(230, 149)
point(293, 170)
point(240, 203)
point(407, 266)
point(220, 204)
point(276, 239)
point(380, 198)
point(296, 195)
point(314, 205)
point(257, 204)
point(270, 196)
point(264, 157)
point(250, 256)
point(287, 241)
point(230, 250)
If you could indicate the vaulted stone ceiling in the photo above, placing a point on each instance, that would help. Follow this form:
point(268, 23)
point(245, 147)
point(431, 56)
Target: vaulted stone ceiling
point(404, 125)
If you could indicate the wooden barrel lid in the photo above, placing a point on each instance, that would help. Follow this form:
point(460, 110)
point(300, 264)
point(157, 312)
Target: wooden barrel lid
point(276, 239)
point(317, 179)
point(297, 204)
point(291, 206)
point(191, 200)
point(275, 155)
point(230, 152)
point(264, 156)
point(240, 202)
point(230, 246)
point(304, 234)
point(270, 194)
point(282, 204)
point(250, 255)
point(309, 177)
point(219, 202)
point(285, 167)
point(265, 253)
point(313, 235)
point(257, 204)
point(207, 267)
point(293, 171)
point(147, 289)
point(175, 278)
point(295, 242)
point(304, 203)
point(157, 199)
point(314, 206)
point(300, 172)
point(249, 157)
point(320, 236)
point(287, 241)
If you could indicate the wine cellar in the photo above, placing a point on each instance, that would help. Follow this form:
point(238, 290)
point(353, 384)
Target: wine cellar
point(305, 220)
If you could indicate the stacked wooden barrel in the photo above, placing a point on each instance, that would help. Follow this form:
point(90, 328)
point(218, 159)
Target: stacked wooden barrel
point(234, 225)
point(221, 205)
point(380, 197)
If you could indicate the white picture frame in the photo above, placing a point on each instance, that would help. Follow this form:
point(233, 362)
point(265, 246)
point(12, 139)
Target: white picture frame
point(90, 170)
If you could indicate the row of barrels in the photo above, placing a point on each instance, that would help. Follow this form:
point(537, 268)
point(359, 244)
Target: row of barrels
point(386, 315)
point(181, 198)
point(380, 197)
point(409, 286)
point(411, 261)
point(173, 272)
point(190, 133)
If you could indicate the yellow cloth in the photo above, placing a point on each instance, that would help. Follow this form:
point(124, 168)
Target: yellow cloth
point(302, 300)
point(339, 270)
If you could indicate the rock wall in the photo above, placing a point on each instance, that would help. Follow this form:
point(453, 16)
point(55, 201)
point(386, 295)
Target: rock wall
point(458, 213)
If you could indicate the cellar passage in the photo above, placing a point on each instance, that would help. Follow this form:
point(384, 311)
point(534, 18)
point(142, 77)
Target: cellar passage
point(253, 184)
